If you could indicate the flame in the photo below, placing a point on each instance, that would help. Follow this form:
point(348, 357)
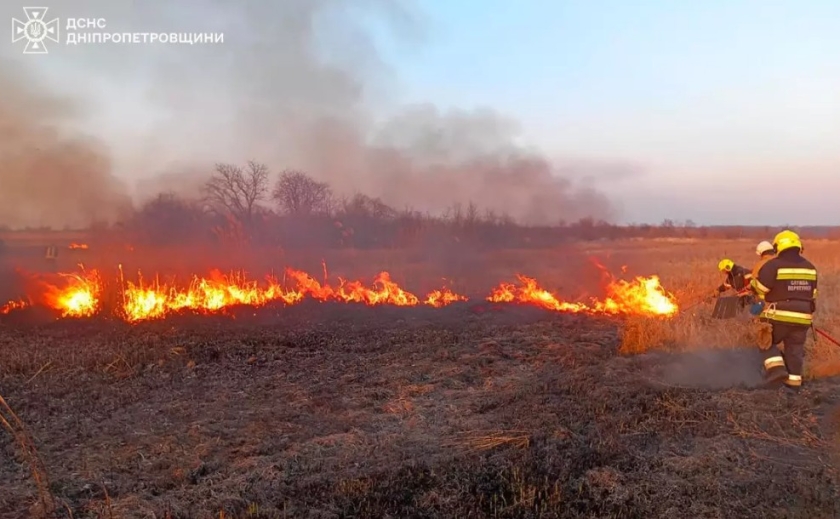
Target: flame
point(440, 298)
point(642, 296)
point(82, 246)
point(80, 295)
point(13, 305)
point(141, 302)
point(645, 295)
point(531, 293)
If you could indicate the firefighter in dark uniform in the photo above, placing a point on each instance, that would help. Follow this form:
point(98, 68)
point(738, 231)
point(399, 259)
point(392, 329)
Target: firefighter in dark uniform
point(788, 286)
point(738, 278)
point(765, 252)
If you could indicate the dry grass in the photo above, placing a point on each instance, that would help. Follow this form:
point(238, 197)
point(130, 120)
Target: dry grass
point(689, 270)
point(16, 428)
point(477, 413)
point(493, 439)
point(340, 411)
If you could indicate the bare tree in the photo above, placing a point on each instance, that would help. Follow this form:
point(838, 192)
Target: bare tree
point(298, 194)
point(167, 220)
point(368, 207)
point(235, 191)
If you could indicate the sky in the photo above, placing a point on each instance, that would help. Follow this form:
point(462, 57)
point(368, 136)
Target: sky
point(731, 107)
point(728, 110)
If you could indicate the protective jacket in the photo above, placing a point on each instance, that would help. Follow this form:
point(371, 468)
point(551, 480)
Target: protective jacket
point(788, 285)
point(760, 263)
point(737, 278)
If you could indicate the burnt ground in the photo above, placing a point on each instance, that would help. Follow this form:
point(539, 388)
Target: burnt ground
point(340, 411)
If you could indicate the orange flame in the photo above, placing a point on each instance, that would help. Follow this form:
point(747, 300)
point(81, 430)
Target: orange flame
point(80, 298)
point(440, 298)
point(643, 296)
point(217, 292)
point(82, 246)
point(81, 295)
point(13, 305)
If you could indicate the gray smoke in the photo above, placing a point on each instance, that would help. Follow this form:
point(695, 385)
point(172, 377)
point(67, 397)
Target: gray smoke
point(50, 175)
point(709, 368)
point(299, 84)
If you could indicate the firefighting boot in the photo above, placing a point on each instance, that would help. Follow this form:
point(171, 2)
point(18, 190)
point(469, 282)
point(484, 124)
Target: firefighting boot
point(793, 383)
point(775, 373)
point(775, 377)
point(791, 390)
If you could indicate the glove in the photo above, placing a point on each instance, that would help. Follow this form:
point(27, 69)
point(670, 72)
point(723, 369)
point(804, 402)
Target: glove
point(765, 337)
point(756, 308)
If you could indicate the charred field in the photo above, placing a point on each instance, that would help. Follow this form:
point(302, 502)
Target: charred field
point(336, 410)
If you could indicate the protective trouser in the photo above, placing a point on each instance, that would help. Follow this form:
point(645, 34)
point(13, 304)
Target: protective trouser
point(791, 361)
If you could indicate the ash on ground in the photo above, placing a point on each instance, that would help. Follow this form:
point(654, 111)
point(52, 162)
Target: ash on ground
point(339, 411)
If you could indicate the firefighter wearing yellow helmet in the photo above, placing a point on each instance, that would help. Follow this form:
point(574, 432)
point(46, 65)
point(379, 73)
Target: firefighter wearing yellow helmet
point(737, 277)
point(788, 285)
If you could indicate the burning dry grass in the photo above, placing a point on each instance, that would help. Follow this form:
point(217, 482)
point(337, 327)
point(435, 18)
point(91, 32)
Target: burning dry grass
point(82, 294)
point(689, 270)
point(326, 409)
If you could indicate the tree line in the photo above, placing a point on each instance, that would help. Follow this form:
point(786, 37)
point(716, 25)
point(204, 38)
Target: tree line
point(240, 205)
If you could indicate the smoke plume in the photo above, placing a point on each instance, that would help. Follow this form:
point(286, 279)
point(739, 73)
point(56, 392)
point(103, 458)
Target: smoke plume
point(50, 175)
point(297, 84)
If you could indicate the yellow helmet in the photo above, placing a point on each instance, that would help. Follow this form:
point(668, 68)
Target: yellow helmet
point(725, 265)
point(787, 239)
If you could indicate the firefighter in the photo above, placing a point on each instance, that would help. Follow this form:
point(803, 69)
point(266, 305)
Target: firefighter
point(788, 286)
point(764, 250)
point(738, 278)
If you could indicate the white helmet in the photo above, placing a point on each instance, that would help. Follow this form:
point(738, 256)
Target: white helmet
point(763, 247)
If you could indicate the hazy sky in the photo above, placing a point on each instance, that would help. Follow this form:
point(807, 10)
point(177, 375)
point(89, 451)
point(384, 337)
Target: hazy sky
point(725, 103)
point(728, 109)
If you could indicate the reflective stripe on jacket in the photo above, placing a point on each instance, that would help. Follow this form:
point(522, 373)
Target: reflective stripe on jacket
point(788, 284)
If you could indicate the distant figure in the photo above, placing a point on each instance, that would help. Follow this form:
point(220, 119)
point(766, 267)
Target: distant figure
point(737, 278)
point(788, 285)
point(51, 253)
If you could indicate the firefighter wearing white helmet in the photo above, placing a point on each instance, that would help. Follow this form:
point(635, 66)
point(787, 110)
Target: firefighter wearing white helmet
point(788, 285)
point(764, 250)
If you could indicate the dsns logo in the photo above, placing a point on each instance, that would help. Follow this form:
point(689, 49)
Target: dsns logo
point(35, 30)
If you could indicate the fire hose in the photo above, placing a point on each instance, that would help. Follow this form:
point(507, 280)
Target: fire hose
point(707, 299)
point(817, 331)
point(704, 300)
point(825, 335)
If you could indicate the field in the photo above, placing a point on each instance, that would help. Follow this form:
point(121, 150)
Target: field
point(476, 409)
